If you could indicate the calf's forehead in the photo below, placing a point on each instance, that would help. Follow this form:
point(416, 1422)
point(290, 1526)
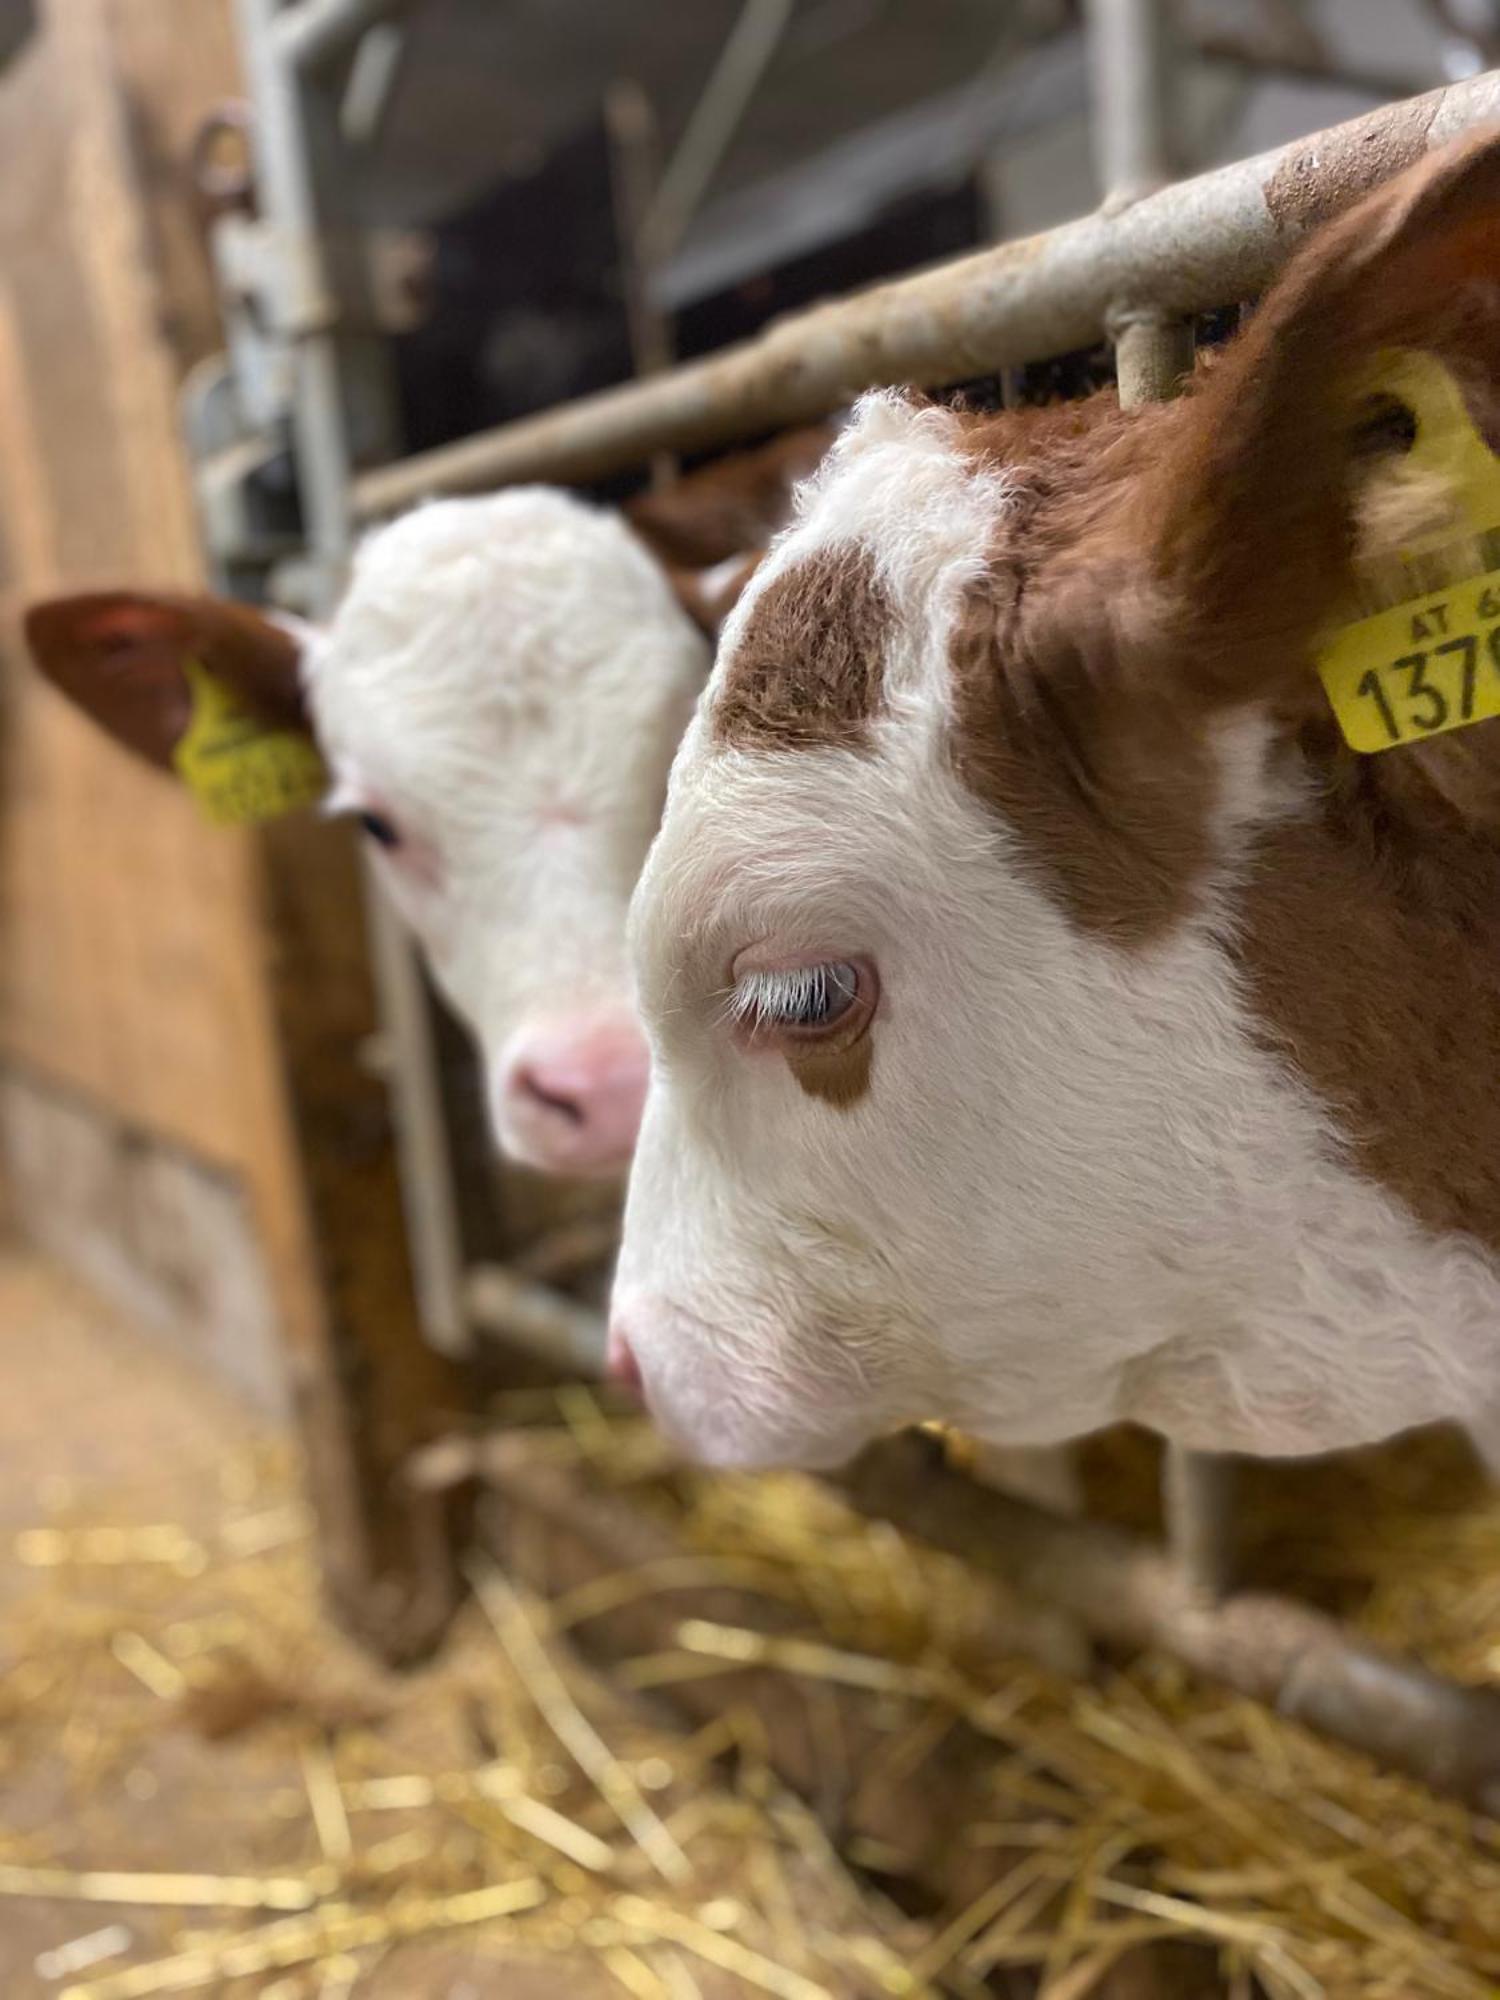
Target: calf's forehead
point(803, 773)
point(841, 627)
point(519, 629)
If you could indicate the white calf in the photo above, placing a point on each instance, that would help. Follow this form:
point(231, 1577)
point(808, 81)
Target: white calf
point(499, 696)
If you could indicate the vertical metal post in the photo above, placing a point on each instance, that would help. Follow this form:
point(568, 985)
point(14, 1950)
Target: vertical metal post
point(338, 376)
point(634, 170)
point(1198, 1493)
point(635, 165)
point(1134, 92)
point(1135, 141)
point(732, 83)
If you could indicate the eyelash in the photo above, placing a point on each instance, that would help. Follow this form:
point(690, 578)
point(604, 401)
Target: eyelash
point(795, 997)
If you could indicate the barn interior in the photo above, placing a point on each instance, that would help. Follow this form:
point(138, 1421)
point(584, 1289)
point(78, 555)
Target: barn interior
point(354, 1637)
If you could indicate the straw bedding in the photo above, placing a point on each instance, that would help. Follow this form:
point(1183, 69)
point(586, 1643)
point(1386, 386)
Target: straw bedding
point(218, 1796)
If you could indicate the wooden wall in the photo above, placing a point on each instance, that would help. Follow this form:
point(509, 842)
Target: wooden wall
point(131, 940)
point(184, 1109)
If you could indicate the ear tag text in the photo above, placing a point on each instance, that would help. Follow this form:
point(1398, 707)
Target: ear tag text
point(239, 767)
point(1428, 660)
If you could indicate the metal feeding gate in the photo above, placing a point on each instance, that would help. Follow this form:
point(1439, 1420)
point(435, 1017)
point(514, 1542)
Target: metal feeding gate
point(1137, 271)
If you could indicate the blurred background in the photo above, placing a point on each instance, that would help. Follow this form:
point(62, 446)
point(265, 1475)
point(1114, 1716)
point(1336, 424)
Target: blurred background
point(219, 1297)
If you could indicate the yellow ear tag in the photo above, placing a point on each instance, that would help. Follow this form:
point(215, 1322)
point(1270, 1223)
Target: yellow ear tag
point(1429, 659)
point(237, 766)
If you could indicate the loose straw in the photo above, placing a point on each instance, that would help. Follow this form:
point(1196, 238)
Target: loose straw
point(572, 1727)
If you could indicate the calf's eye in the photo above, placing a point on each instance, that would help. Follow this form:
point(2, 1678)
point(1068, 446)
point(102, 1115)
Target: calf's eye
point(803, 1001)
point(380, 829)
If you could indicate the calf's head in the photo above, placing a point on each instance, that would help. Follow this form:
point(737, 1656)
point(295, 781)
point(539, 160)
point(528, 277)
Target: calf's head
point(498, 698)
point(1017, 915)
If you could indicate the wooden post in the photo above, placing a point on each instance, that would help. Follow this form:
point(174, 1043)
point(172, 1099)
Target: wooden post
point(367, 1389)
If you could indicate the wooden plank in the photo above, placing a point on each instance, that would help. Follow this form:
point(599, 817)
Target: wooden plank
point(118, 897)
point(367, 1388)
point(204, 986)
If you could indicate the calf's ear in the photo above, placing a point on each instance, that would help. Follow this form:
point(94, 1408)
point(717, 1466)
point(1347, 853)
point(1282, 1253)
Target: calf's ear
point(1253, 508)
point(122, 656)
point(709, 595)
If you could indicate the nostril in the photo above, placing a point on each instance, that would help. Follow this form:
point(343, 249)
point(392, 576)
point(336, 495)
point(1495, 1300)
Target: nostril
point(566, 1105)
point(620, 1365)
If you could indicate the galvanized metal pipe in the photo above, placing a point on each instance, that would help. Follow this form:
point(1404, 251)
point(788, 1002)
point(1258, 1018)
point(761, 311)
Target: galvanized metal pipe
point(1293, 1659)
point(1134, 90)
point(286, 163)
point(1135, 132)
point(1198, 244)
point(1198, 1495)
point(316, 32)
point(546, 1322)
point(716, 117)
point(1153, 357)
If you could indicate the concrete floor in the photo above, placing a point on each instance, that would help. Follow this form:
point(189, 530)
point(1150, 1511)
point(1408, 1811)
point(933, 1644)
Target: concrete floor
point(98, 1422)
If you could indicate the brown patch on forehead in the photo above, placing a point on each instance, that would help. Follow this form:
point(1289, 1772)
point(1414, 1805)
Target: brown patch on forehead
point(808, 668)
point(1108, 793)
point(1370, 946)
point(840, 1077)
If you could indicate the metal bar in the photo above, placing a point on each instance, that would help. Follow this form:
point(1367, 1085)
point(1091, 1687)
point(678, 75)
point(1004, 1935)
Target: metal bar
point(546, 1322)
point(1198, 1491)
point(315, 33)
point(1198, 244)
point(375, 72)
point(1134, 120)
point(1135, 80)
point(428, 1195)
point(634, 168)
point(736, 75)
point(631, 124)
point(1153, 356)
point(1122, 1591)
point(285, 165)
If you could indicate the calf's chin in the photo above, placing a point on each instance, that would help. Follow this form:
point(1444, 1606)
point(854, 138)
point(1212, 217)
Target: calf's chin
point(710, 1390)
point(753, 1331)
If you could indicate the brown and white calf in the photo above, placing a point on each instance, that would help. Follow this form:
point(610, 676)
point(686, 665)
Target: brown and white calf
point(1053, 1021)
point(498, 697)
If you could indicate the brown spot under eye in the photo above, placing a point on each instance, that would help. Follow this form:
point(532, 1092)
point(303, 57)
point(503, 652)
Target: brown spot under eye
point(808, 669)
point(839, 1076)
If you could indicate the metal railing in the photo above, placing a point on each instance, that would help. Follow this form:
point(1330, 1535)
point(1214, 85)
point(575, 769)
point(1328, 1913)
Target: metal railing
point(1194, 246)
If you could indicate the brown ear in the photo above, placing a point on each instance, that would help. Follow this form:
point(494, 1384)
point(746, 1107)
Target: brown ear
point(736, 503)
point(1250, 507)
point(122, 657)
point(709, 595)
point(710, 529)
